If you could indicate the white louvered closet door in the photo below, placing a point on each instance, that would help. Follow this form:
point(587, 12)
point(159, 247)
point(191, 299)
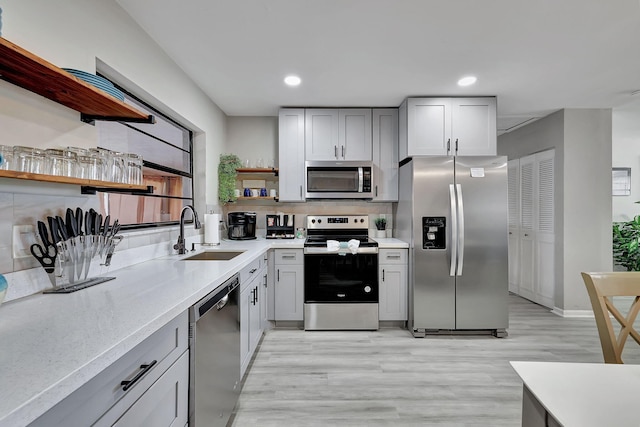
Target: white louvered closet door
point(527, 227)
point(513, 171)
point(545, 230)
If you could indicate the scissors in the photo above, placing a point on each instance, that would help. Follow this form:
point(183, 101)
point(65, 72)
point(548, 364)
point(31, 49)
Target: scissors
point(47, 258)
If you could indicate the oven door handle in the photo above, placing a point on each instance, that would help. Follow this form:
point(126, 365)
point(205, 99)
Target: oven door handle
point(323, 250)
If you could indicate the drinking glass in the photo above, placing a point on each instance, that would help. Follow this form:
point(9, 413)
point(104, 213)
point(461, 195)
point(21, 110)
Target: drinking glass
point(60, 162)
point(28, 159)
point(88, 167)
point(134, 168)
point(6, 152)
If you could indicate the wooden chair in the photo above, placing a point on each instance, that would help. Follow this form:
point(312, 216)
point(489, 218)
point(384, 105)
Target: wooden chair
point(602, 287)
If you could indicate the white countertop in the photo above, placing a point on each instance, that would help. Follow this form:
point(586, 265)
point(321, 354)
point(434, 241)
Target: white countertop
point(585, 394)
point(52, 344)
point(391, 243)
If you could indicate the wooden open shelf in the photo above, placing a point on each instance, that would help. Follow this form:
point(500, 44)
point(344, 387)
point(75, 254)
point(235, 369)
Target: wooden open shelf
point(241, 198)
point(76, 181)
point(24, 69)
point(270, 171)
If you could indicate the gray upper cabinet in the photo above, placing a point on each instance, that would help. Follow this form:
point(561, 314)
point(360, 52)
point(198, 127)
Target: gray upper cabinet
point(448, 126)
point(291, 154)
point(385, 154)
point(338, 134)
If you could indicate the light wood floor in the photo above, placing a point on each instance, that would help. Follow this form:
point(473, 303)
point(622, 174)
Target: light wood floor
point(389, 378)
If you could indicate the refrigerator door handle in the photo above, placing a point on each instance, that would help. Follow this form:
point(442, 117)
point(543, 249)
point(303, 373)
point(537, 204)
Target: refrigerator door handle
point(454, 230)
point(460, 245)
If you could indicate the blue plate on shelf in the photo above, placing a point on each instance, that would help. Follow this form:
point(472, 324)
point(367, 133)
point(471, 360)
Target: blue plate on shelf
point(96, 81)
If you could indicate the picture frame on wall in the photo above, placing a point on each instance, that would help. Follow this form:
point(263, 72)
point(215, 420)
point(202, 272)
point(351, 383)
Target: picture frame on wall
point(621, 181)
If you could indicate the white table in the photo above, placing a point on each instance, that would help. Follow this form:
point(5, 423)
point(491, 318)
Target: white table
point(579, 394)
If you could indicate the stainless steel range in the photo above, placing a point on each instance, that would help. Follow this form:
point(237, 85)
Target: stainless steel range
point(340, 274)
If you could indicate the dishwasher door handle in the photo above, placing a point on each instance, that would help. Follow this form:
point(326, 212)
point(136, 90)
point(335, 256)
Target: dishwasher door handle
point(220, 305)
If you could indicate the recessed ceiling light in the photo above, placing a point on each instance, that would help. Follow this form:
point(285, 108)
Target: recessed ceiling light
point(467, 81)
point(292, 80)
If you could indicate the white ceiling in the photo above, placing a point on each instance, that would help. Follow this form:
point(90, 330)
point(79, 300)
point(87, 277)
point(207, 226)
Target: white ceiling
point(536, 56)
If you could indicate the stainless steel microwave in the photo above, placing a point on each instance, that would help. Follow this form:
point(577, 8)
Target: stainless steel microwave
point(338, 180)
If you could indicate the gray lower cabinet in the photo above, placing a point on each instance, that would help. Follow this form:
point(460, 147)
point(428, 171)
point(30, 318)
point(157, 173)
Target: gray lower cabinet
point(163, 404)
point(251, 318)
point(288, 284)
point(157, 370)
point(393, 285)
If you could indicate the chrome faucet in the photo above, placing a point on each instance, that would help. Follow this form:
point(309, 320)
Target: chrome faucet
point(180, 245)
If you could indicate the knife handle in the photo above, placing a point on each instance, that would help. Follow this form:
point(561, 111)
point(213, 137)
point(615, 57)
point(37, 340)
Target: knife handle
point(72, 227)
point(44, 235)
point(53, 228)
point(62, 229)
point(79, 221)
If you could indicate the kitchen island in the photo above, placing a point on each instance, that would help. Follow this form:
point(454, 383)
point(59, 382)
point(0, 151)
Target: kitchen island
point(579, 394)
point(54, 344)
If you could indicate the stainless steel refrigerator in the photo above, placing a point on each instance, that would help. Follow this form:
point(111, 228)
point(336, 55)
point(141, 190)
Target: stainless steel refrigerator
point(453, 212)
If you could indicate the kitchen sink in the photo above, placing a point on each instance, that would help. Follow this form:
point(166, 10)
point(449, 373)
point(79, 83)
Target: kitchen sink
point(214, 256)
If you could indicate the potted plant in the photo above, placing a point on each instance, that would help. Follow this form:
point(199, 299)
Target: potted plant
point(626, 244)
point(227, 177)
point(381, 226)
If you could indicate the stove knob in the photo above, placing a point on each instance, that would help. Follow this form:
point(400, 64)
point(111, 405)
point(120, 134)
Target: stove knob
point(361, 219)
point(367, 289)
point(319, 221)
point(313, 221)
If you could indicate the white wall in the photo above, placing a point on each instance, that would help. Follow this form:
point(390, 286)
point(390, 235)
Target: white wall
point(253, 138)
point(75, 33)
point(582, 140)
point(78, 34)
point(626, 153)
point(587, 201)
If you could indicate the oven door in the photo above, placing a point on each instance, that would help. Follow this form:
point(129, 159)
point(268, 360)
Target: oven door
point(334, 278)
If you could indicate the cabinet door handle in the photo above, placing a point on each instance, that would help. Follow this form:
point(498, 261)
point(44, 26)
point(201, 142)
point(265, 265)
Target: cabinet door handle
point(393, 256)
point(383, 274)
point(256, 294)
point(456, 145)
point(448, 145)
point(376, 191)
point(289, 256)
point(278, 278)
point(265, 281)
point(127, 384)
point(335, 151)
point(343, 151)
point(253, 270)
point(301, 191)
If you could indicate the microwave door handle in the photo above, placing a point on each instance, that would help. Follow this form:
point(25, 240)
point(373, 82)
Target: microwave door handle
point(360, 179)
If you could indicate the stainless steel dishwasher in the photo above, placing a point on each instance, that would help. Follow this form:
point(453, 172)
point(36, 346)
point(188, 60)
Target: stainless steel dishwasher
point(214, 374)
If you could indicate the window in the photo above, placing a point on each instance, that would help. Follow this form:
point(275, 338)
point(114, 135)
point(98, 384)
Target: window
point(166, 150)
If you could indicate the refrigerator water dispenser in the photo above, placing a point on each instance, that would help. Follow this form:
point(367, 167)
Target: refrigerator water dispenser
point(434, 232)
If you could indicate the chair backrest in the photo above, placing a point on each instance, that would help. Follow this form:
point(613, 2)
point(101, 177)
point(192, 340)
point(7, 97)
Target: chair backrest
point(601, 288)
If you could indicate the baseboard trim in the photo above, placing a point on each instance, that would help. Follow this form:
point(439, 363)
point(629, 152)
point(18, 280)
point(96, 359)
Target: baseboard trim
point(572, 313)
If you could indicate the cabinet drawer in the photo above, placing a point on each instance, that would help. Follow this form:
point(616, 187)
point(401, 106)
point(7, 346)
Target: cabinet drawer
point(165, 403)
point(392, 256)
point(289, 256)
point(87, 404)
point(248, 273)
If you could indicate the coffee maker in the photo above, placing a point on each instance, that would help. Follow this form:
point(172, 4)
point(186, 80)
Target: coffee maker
point(242, 225)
